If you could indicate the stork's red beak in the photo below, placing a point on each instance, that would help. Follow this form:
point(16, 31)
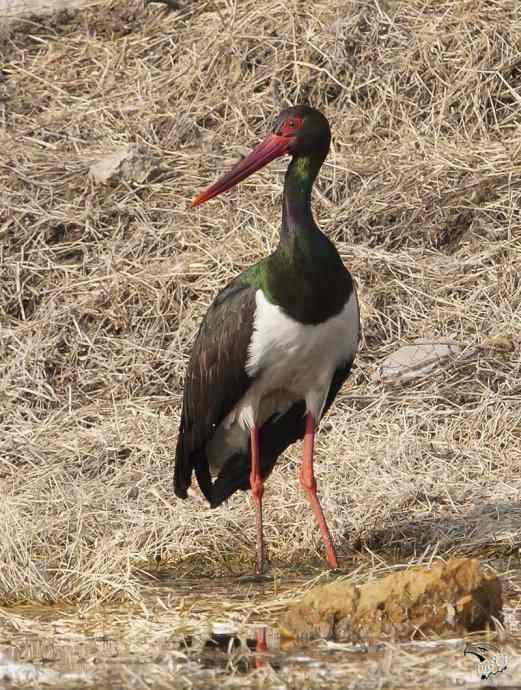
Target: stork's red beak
point(272, 147)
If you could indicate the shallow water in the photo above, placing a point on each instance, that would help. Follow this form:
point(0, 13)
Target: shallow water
point(210, 634)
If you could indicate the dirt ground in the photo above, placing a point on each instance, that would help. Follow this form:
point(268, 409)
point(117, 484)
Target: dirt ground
point(103, 286)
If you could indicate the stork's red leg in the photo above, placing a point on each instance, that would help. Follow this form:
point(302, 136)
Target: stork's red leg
point(257, 489)
point(307, 481)
point(260, 646)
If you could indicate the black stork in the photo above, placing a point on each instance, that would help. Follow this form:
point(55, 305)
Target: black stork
point(276, 344)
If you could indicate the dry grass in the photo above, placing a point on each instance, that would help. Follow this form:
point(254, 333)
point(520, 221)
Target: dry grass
point(103, 287)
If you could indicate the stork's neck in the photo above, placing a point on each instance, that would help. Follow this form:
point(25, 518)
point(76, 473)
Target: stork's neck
point(297, 218)
point(305, 275)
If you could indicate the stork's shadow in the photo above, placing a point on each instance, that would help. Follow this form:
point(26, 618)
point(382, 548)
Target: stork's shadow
point(490, 527)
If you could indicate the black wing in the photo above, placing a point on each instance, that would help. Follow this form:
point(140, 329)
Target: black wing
point(216, 380)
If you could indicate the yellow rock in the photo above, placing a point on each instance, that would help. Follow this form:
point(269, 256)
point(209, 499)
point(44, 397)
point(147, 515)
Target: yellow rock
point(446, 598)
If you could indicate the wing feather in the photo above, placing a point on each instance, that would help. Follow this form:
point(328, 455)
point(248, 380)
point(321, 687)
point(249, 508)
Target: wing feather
point(216, 380)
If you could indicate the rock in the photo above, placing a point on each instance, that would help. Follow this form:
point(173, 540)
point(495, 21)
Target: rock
point(170, 4)
point(24, 673)
point(132, 163)
point(13, 8)
point(420, 358)
point(448, 598)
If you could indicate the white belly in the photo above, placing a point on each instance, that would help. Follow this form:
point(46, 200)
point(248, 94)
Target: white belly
point(292, 362)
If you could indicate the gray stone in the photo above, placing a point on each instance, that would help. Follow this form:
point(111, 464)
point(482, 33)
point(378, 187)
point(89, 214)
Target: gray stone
point(419, 359)
point(132, 163)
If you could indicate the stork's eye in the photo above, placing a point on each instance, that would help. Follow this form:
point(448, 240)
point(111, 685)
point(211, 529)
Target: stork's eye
point(290, 126)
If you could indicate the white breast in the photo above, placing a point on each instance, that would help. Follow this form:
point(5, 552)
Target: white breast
point(292, 362)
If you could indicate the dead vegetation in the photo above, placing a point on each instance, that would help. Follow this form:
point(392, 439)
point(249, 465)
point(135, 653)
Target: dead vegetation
point(103, 286)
